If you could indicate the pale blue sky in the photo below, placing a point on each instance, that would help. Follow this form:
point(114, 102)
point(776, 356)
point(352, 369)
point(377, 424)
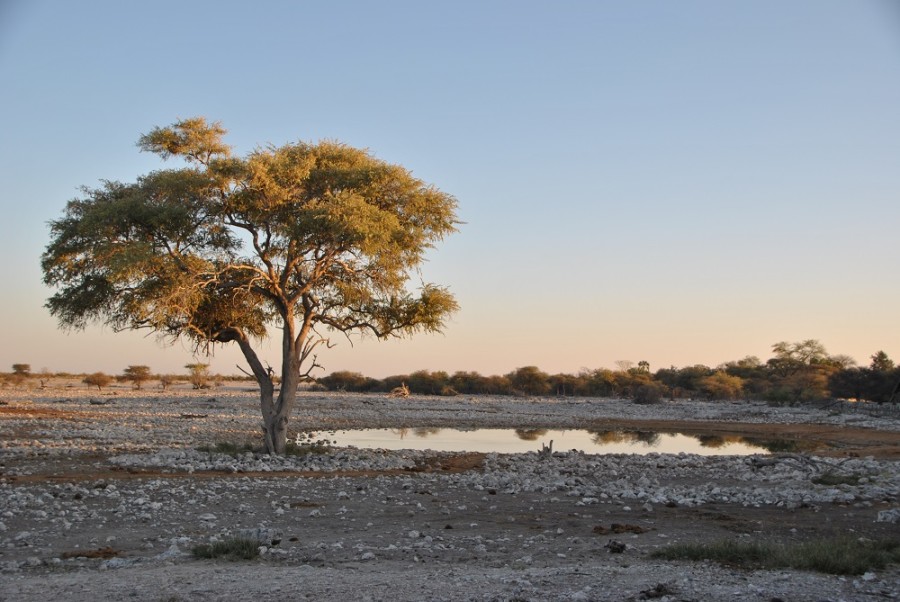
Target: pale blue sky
point(677, 182)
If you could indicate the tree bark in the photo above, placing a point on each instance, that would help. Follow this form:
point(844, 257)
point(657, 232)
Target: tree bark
point(266, 398)
point(275, 427)
point(277, 412)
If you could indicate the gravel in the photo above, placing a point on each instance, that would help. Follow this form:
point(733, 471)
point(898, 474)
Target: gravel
point(133, 496)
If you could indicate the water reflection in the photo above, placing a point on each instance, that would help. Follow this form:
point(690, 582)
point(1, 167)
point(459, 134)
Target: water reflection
point(425, 432)
point(777, 446)
point(421, 432)
point(530, 434)
point(646, 438)
point(528, 439)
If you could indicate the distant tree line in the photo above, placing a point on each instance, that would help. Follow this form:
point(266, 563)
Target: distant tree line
point(797, 372)
point(198, 376)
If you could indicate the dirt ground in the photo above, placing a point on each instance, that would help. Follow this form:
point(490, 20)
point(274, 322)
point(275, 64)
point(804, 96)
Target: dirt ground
point(85, 530)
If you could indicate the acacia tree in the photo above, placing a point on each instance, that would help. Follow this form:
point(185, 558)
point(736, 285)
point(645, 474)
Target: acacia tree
point(137, 374)
point(312, 239)
point(198, 375)
point(21, 372)
point(97, 379)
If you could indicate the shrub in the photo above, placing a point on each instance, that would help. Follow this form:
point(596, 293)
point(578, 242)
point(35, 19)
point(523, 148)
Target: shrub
point(20, 373)
point(137, 375)
point(226, 447)
point(722, 386)
point(832, 479)
point(389, 383)
point(838, 556)
point(424, 382)
point(232, 549)
point(529, 380)
point(198, 375)
point(97, 379)
point(648, 393)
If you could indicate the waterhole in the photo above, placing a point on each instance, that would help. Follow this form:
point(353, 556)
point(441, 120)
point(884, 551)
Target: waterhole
point(510, 441)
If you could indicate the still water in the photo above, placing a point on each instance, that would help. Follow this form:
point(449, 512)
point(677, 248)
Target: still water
point(528, 440)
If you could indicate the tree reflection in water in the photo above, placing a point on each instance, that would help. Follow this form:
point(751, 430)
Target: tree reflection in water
point(530, 434)
point(608, 437)
point(648, 438)
point(720, 441)
point(522, 440)
point(420, 431)
point(776, 446)
point(711, 441)
point(425, 431)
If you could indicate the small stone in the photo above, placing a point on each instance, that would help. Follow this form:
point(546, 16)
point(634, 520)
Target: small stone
point(615, 546)
point(10, 566)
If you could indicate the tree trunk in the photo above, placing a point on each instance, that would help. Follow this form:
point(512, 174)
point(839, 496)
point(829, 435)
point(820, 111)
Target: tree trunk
point(275, 427)
point(276, 412)
point(266, 398)
point(276, 424)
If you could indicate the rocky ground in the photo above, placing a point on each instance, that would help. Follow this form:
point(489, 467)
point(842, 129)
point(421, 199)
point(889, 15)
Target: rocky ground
point(104, 495)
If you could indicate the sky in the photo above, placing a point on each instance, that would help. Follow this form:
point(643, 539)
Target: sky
point(674, 182)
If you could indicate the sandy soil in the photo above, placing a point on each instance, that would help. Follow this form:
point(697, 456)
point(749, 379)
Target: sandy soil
point(103, 499)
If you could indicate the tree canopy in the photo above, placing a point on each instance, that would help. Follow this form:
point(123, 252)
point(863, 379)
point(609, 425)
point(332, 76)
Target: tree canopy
point(312, 238)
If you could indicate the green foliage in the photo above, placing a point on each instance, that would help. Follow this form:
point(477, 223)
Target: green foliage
point(304, 237)
point(229, 549)
point(198, 375)
point(841, 556)
point(137, 374)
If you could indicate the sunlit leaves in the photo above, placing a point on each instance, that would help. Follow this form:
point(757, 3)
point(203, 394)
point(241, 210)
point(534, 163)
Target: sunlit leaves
point(323, 232)
point(194, 139)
